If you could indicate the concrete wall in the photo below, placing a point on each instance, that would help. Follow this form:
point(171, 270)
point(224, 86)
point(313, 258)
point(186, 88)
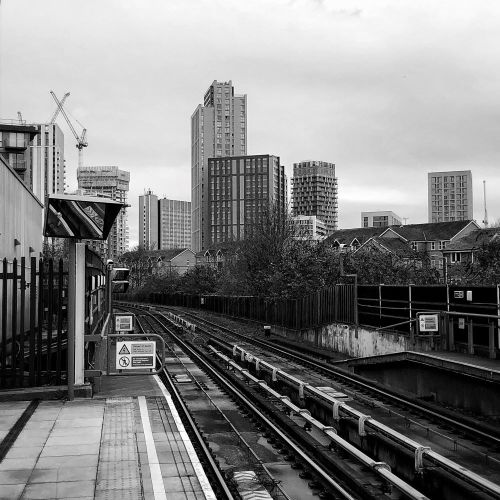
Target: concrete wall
point(354, 342)
point(20, 217)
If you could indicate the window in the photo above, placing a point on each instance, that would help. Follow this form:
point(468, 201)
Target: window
point(433, 245)
point(442, 245)
point(456, 257)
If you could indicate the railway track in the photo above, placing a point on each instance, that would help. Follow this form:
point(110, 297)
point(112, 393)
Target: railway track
point(433, 458)
point(355, 476)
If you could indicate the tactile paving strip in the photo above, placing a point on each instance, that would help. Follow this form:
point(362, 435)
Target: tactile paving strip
point(118, 474)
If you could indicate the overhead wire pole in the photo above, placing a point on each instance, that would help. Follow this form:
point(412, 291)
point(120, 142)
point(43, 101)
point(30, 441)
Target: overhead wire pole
point(81, 140)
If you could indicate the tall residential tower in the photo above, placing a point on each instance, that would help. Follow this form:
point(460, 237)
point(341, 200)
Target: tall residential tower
point(450, 196)
point(218, 129)
point(314, 192)
point(148, 221)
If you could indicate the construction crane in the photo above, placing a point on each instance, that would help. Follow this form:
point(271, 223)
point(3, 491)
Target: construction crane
point(56, 112)
point(81, 140)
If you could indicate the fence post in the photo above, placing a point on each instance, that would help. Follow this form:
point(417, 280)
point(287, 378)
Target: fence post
point(3, 357)
point(50, 311)
point(410, 313)
point(21, 320)
point(470, 337)
point(14, 322)
point(59, 320)
point(451, 336)
point(491, 340)
point(32, 334)
point(39, 338)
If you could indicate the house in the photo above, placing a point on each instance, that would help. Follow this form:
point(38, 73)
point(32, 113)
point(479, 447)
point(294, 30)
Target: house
point(217, 255)
point(351, 239)
point(463, 249)
point(431, 238)
point(176, 259)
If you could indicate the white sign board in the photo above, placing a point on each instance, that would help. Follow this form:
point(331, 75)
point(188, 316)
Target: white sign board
point(124, 323)
point(428, 322)
point(135, 355)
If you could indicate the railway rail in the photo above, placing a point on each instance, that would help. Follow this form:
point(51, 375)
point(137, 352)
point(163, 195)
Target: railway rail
point(376, 476)
point(341, 409)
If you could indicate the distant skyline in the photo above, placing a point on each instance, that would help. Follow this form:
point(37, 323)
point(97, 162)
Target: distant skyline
point(387, 90)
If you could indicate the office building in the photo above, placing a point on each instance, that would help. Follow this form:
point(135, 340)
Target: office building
point(218, 129)
point(174, 224)
point(380, 219)
point(450, 196)
point(314, 192)
point(240, 188)
point(148, 221)
point(113, 183)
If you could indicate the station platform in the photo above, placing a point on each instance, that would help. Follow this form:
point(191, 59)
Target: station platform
point(128, 442)
point(481, 367)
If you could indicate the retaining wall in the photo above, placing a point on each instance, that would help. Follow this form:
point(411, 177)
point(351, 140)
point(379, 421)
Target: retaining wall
point(357, 342)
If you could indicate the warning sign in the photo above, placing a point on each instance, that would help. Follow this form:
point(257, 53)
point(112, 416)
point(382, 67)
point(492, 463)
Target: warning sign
point(428, 322)
point(142, 361)
point(124, 323)
point(140, 354)
point(124, 350)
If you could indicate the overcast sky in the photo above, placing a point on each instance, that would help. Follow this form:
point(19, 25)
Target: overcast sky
point(386, 90)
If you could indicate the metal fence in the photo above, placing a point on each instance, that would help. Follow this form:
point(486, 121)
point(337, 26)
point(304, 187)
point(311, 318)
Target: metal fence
point(333, 304)
point(396, 307)
point(33, 318)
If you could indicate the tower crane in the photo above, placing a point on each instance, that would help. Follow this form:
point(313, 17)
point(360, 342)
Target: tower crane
point(56, 112)
point(81, 140)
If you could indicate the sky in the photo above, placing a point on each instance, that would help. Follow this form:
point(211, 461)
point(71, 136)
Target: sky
point(386, 90)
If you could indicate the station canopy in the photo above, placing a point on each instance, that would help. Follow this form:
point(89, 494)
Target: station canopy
point(80, 217)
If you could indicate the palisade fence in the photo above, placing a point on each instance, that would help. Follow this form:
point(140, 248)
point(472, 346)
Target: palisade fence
point(386, 307)
point(33, 318)
point(329, 305)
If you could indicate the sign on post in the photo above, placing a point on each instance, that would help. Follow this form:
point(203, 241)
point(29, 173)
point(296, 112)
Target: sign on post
point(135, 355)
point(428, 322)
point(124, 322)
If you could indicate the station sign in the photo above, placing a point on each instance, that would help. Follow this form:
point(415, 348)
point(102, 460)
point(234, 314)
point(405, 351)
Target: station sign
point(136, 355)
point(428, 322)
point(124, 322)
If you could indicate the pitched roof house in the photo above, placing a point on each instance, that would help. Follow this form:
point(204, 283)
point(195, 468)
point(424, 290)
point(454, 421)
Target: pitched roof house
point(431, 238)
point(463, 249)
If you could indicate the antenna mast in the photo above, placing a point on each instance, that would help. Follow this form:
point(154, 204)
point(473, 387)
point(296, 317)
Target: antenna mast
point(485, 221)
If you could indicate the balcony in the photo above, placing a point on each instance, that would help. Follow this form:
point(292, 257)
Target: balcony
point(13, 143)
point(19, 166)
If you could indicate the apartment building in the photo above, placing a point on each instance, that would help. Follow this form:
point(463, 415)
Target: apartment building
point(113, 183)
point(450, 196)
point(164, 224)
point(174, 224)
point(148, 221)
point(309, 227)
point(218, 129)
point(380, 219)
point(314, 192)
point(240, 188)
point(16, 138)
point(47, 151)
